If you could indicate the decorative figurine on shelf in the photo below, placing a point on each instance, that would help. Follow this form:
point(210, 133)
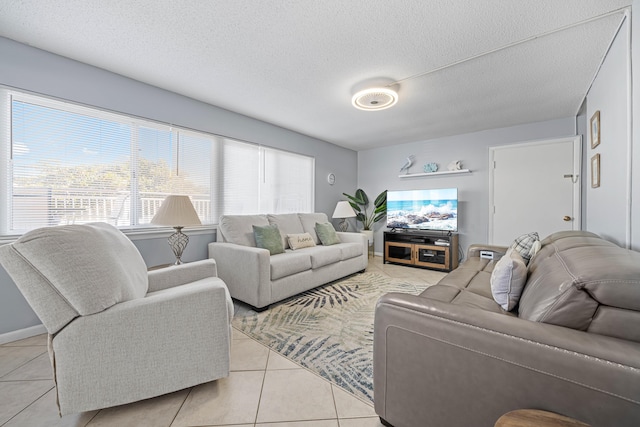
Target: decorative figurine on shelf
point(456, 165)
point(430, 167)
point(408, 164)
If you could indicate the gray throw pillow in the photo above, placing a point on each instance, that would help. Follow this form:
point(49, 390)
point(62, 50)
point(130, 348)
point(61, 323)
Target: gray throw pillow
point(508, 279)
point(327, 234)
point(268, 237)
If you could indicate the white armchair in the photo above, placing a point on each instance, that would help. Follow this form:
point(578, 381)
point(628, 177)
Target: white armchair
point(117, 333)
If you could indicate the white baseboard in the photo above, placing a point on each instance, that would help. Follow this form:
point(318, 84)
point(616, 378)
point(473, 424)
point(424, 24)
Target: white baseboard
point(21, 334)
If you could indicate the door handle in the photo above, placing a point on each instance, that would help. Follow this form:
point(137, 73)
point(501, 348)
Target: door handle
point(566, 218)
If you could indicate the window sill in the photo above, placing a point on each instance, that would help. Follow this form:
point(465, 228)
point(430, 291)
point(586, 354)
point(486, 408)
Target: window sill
point(141, 233)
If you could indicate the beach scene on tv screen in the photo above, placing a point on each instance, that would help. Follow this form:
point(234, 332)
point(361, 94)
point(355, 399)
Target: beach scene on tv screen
point(423, 209)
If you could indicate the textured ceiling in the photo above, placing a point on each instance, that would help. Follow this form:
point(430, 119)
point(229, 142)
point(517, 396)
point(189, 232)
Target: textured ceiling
point(462, 66)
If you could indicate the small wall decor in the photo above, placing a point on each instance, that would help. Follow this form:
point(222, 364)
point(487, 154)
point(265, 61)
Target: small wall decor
point(456, 165)
point(595, 171)
point(595, 129)
point(408, 164)
point(430, 167)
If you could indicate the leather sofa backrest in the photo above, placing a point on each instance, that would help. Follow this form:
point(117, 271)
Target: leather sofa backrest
point(583, 282)
point(562, 240)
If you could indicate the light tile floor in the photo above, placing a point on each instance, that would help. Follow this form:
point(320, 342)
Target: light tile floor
point(264, 389)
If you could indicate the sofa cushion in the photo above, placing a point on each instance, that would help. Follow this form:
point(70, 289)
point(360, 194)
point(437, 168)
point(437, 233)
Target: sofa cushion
point(568, 286)
point(349, 250)
point(287, 224)
point(461, 297)
point(508, 279)
point(327, 234)
point(288, 263)
point(238, 229)
point(92, 266)
point(323, 255)
point(268, 237)
point(309, 221)
point(299, 241)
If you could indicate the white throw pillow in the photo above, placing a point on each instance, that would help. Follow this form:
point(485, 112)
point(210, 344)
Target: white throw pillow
point(508, 279)
point(301, 240)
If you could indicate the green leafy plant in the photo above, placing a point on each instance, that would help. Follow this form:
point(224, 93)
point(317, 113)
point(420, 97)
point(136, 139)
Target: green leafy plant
point(360, 203)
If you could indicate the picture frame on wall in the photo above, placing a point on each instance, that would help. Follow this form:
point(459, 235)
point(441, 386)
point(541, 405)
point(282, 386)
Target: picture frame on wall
point(595, 171)
point(595, 129)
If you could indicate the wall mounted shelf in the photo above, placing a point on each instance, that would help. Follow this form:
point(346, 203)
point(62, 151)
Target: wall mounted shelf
point(415, 175)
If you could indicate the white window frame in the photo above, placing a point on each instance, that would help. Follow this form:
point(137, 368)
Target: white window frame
point(7, 95)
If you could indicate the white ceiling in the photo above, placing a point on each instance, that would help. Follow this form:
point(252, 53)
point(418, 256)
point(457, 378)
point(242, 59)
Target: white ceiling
point(481, 64)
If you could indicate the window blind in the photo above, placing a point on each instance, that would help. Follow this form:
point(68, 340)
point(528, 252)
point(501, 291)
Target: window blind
point(65, 167)
point(62, 163)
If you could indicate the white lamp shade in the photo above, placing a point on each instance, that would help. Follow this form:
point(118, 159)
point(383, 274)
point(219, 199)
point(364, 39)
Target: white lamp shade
point(176, 211)
point(343, 210)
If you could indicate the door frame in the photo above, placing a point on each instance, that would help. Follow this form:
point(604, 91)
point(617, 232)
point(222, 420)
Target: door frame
point(576, 176)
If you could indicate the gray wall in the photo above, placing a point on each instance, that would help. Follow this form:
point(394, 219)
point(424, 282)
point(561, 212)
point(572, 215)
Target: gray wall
point(608, 207)
point(378, 170)
point(31, 69)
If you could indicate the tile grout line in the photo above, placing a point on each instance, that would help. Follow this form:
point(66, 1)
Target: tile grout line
point(20, 366)
point(25, 408)
point(264, 377)
point(173, 420)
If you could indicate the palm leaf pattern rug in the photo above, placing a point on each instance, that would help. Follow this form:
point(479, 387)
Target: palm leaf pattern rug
point(328, 330)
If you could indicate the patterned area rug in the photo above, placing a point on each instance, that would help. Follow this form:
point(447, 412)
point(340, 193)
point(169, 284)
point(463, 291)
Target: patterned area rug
point(328, 330)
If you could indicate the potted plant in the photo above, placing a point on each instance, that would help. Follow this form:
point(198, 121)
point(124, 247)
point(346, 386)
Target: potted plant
point(360, 203)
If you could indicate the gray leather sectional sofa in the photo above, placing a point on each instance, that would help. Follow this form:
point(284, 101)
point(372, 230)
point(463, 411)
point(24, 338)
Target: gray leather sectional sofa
point(453, 357)
point(260, 279)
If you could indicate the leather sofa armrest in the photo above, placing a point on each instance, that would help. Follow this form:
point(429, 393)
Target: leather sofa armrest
point(474, 250)
point(429, 356)
point(246, 271)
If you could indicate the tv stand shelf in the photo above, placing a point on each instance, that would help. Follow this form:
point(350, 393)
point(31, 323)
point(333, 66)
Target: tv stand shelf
point(434, 250)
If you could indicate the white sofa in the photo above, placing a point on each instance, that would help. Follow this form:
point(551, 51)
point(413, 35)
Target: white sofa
point(259, 279)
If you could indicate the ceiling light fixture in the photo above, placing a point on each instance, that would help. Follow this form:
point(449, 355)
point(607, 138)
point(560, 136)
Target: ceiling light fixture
point(376, 98)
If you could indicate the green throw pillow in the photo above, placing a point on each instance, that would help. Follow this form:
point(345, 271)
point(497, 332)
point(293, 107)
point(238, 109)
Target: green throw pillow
point(327, 234)
point(268, 237)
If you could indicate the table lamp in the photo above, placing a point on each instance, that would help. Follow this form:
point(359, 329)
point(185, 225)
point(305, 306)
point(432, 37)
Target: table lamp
point(343, 210)
point(177, 212)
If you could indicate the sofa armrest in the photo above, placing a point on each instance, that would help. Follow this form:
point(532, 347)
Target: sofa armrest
point(429, 356)
point(474, 250)
point(182, 274)
point(346, 237)
point(246, 271)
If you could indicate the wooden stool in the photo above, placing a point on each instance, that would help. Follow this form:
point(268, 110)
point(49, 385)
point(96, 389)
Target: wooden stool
point(536, 418)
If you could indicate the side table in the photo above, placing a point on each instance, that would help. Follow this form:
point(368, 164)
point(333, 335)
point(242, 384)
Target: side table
point(536, 418)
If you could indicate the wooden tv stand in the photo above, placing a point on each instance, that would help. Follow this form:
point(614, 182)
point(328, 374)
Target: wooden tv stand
point(419, 249)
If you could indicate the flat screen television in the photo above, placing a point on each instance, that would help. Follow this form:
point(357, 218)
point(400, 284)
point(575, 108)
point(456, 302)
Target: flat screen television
point(423, 209)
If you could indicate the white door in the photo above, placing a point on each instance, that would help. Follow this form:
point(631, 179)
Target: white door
point(534, 187)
